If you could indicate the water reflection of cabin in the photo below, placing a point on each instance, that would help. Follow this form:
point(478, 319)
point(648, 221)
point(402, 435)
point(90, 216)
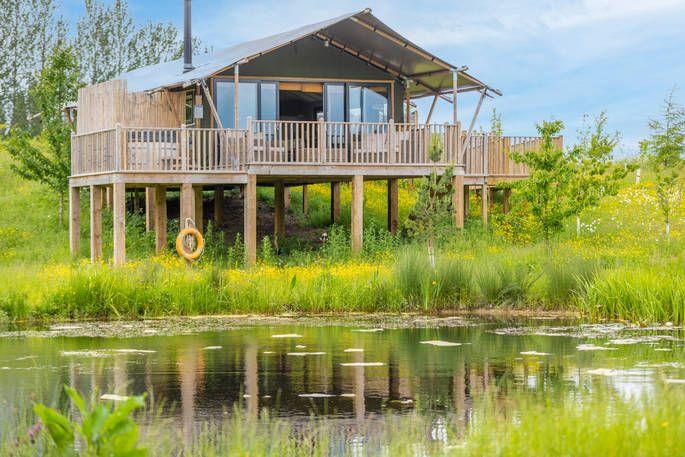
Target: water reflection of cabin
point(328, 102)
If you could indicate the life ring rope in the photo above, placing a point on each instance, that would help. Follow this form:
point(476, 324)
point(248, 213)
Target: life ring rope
point(190, 231)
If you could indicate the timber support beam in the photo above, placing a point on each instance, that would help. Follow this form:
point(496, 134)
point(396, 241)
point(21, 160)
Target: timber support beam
point(335, 202)
point(95, 223)
point(393, 205)
point(160, 219)
point(484, 204)
point(199, 213)
point(218, 205)
point(250, 220)
point(74, 220)
point(279, 212)
point(119, 219)
point(458, 200)
point(357, 217)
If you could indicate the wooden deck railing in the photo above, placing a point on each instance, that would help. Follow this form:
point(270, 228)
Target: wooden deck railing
point(350, 143)
point(490, 155)
point(294, 143)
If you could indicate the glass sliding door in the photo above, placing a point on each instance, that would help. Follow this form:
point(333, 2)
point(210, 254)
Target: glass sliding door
point(356, 102)
point(334, 102)
point(375, 103)
point(256, 99)
point(268, 101)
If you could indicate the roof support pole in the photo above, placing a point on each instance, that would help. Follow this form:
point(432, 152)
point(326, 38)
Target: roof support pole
point(236, 93)
point(212, 107)
point(430, 112)
point(455, 84)
point(475, 116)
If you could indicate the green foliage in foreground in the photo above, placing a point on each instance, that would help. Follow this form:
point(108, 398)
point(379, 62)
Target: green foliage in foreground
point(106, 430)
point(517, 425)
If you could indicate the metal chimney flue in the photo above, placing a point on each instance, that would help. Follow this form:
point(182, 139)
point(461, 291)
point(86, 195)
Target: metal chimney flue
point(187, 37)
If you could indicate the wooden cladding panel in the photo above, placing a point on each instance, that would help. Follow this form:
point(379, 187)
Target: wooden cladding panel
point(102, 106)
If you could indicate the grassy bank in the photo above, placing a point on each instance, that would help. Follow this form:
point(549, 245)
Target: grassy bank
point(515, 426)
point(620, 267)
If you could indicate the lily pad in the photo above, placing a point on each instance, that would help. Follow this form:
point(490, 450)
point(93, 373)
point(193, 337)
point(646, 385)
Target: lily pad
point(535, 353)
point(593, 347)
point(603, 372)
point(362, 364)
point(441, 343)
point(303, 354)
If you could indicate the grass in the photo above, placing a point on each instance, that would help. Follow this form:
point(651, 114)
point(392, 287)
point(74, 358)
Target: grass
point(519, 425)
point(619, 268)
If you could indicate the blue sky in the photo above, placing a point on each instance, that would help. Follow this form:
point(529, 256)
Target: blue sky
point(551, 59)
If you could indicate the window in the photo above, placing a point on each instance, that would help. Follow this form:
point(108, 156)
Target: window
point(258, 100)
point(334, 101)
point(190, 107)
point(268, 101)
point(375, 103)
point(365, 102)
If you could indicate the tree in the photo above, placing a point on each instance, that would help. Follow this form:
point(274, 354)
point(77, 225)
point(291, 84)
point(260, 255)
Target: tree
point(594, 174)
point(48, 160)
point(664, 151)
point(496, 123)
point(110, 43)
point(547, 190)
point(431, 212)
point(28, 32)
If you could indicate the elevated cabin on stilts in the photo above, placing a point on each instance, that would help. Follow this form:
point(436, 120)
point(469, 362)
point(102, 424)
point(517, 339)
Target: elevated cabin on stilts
point(328, 102)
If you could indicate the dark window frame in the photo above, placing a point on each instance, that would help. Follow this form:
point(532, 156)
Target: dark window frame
point(259, 94)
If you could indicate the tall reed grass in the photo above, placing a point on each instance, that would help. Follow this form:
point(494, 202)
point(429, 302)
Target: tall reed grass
point(515, 425)
point(637, 294)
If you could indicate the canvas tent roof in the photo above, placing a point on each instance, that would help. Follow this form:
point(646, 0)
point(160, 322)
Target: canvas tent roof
point(360, 34)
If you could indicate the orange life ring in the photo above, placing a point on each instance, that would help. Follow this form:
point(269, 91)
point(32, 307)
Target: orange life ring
point(190, 231)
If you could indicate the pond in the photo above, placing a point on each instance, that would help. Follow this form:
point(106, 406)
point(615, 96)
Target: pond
point(348, 372)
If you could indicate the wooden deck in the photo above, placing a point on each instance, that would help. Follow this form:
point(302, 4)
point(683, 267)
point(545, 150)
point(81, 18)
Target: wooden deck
point(280, 154)
point(294, 152)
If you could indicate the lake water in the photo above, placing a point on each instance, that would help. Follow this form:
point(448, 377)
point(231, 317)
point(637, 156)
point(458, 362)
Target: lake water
point(347, 372)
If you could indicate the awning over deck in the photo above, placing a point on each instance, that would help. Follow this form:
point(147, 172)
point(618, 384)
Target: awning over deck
point(360, 34)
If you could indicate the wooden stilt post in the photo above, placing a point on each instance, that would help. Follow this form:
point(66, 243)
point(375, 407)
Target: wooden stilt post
point(149, 209)
point(491, 197)
point(187, 204)
point(119, 218)
point(95, 223)
point(335, 202)
point(357, 217)
point(279, 212)
point(108, 197)
point(218, 205)
point(250, 219)
point(458, 200)
point(393, 204)
point(305, 199)
point(160, 219)
point(467, 201)
point(505, 200)
point(484, 204)
point(74, 220)
point(136, 201)
point(199, 207)
point(286, 198)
